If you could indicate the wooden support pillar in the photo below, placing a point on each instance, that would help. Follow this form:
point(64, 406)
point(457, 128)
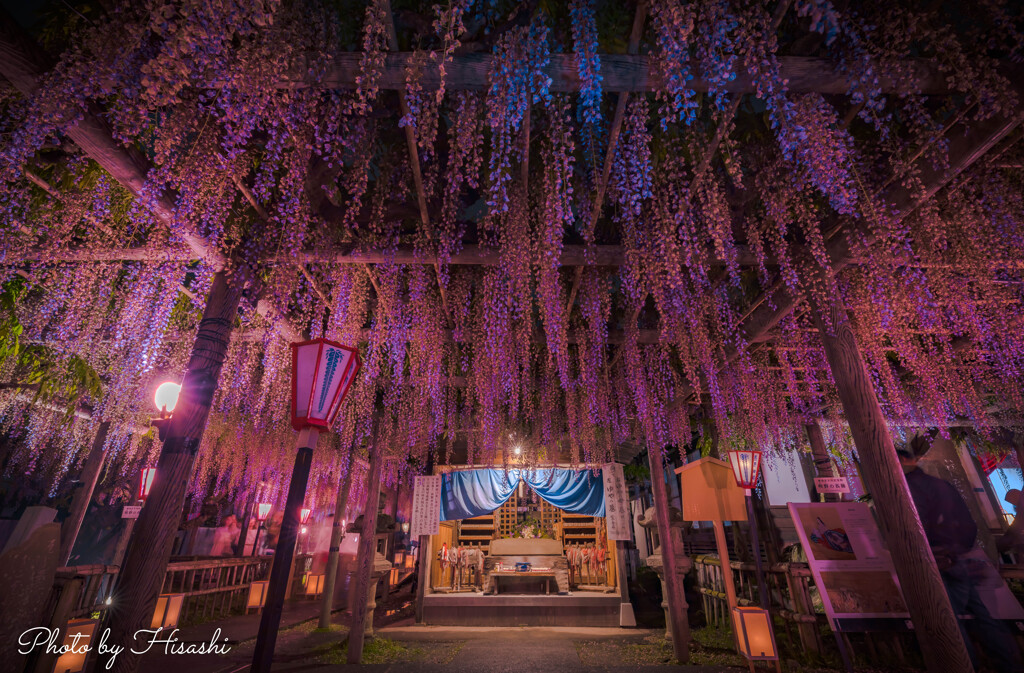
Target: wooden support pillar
point(142, 573)
point(424, 556)
point(334, 553)
point(83, 494)
point(243, 536)
point(626, 616)
point(365, 556)
point(822, 462)
point(673, 583)
point(284, 553)
point(930, 611)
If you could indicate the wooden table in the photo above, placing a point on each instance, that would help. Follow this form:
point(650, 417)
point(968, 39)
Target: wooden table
point(546, 575)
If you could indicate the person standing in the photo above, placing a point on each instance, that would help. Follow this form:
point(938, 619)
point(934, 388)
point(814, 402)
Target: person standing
point(952, 535)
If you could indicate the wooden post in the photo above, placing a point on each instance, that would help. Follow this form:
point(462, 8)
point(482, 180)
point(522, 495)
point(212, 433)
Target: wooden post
point(83, 494)
point(142, 573)
point(280, 571)
point(626, 616)
point(727, 580)
point(367, 551)
point(935, 624)
point(673, 583)
point(425, 554)
point(42, 660)
point(822, 463)
point(243, 536)
point(337, 533)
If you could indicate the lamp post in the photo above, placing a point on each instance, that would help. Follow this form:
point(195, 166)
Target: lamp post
point(303, 518)
point(754, 631)
point(322, 372)
point(165, 399)
point(262, 512)
point(146, 482)
point(746, 469)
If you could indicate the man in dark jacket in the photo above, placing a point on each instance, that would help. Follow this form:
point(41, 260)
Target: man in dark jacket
point(951, 533)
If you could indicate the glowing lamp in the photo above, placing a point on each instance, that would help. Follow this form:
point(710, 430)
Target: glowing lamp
point(405, 527)
point(322, 372)
point(754, 632)
point(166, 397)
point(168, 611)
point(262, 511)
point(746, 467)
point(77, 638)
point(517, 450)
point(257, 594)
point(146, 482)
point(304, 515)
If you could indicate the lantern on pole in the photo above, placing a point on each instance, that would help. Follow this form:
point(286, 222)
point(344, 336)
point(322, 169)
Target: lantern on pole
point(146, 482)
point(262, 512)
point(746, 467)
point(322, 373)
point(753, 625)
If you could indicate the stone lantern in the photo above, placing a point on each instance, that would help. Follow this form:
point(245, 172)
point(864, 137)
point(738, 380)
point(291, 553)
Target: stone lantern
point(654, 561)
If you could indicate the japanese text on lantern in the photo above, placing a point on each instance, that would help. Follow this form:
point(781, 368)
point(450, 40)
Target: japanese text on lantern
point(426, 506)
point(616, 503)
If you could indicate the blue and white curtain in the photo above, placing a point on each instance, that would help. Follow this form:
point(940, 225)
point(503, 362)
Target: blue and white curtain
point(469, 493)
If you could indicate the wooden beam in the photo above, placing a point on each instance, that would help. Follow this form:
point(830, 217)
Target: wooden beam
point(620, 73)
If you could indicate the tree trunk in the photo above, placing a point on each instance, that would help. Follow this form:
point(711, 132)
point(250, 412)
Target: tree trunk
point(931, 613)
point(83, 494)
point(367, 551)
point(337, 533)
point(673, 583)
point(822, 462)
point(143, 571)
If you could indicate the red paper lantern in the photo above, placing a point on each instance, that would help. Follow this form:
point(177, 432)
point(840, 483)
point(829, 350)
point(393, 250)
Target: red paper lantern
point(746, 467)
point(262, 511)
point(146, 482)
point(322, 372)
point(304, 514)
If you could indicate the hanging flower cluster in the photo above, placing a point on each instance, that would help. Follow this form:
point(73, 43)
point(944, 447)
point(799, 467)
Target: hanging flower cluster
point(240, 136)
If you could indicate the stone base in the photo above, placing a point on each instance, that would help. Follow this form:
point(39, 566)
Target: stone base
point(626, 616)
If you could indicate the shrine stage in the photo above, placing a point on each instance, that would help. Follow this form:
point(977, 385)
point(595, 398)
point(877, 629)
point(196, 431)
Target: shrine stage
point(474, 609)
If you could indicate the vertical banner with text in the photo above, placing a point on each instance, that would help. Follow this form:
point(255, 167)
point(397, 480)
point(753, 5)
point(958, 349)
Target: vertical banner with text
point(616, 503)
point(426, 506)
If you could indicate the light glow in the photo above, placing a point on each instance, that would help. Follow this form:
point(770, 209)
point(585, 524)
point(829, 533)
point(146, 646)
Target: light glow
point(166, 396)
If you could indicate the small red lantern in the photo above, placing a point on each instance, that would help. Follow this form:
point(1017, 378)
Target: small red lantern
point(262, 511)
point(746, 467)
point(322, 372)
point(146, 482)
point(304, 514)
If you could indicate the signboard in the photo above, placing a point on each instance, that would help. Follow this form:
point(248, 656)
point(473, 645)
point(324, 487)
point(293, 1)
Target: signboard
point(131, 511)
point(849, 562)
point(831, 485)
point(426, 506)
point(616, 503)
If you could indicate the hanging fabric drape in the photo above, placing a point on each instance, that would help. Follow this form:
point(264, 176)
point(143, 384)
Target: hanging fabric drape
point(469, 493)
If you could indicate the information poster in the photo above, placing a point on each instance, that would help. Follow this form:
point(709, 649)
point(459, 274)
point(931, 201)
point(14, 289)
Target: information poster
point(616, 503)
point(850, 565)
point(426, 506)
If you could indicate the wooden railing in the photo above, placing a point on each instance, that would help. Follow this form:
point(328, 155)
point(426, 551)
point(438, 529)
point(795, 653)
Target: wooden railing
point(213, 587)
point(92, 584)
point(789, 590)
